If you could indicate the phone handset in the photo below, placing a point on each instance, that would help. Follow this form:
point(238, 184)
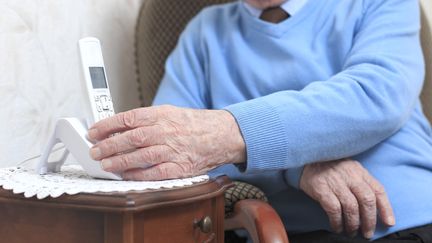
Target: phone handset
point(96, 83)
point(71, 131)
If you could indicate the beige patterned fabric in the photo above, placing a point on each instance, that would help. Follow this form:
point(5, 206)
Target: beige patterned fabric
point(159, 25)
point(241, 191)
point(426, 36)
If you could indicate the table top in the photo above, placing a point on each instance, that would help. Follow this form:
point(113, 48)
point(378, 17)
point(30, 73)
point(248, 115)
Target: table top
point(128, 201)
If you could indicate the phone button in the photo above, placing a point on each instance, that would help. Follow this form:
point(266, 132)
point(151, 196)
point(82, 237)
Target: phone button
point(99, 107)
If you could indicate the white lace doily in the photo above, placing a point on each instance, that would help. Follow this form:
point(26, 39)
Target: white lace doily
point(73, 180)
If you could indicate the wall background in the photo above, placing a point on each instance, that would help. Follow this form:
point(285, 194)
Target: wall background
point(39, 65)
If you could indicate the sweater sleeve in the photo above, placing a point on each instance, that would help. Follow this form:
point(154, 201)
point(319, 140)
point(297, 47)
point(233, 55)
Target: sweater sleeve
point(183, 83)
point(354, 110)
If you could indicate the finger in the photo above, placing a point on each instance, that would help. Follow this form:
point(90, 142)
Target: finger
point(158, 172)
point(331, 205)
point(140, 158)
point(121, 122)
point(385, 209)
point(129, 140)
point(368, 210)
point(350, 209)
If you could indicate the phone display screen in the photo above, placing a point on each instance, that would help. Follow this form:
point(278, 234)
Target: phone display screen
point(98, 79)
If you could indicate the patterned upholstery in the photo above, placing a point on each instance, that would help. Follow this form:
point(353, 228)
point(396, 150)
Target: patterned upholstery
point(240, 191)
point(159, 24)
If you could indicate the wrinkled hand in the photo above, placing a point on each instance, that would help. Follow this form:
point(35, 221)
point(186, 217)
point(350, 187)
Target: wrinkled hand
point(166, 142)
point(349, 195)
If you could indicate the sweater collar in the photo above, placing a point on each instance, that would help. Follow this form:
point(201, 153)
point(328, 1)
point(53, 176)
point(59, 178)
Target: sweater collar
point(277, 30)
point(290, 6)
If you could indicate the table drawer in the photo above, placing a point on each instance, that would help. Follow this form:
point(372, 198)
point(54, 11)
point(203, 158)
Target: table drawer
point(194, 222)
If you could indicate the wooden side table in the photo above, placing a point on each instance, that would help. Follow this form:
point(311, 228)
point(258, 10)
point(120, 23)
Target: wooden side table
point(188, 214)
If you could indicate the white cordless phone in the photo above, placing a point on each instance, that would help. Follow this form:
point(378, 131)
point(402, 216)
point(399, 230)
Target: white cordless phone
point(96, 79)
point(71, 131)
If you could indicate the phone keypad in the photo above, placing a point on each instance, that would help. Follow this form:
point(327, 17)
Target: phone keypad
point(104, 106)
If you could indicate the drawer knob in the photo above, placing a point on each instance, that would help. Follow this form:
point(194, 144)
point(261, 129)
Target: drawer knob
point(205, 224)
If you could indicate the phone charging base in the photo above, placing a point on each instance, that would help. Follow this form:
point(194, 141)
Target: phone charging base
point(73, 134)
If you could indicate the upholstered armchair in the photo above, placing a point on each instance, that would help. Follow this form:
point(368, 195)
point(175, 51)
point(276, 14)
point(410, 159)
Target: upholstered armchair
point(159, 25)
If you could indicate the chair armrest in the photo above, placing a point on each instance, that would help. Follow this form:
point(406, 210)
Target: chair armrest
point(259, 219)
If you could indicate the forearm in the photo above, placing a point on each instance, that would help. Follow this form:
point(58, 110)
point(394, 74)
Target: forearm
point(289, 129)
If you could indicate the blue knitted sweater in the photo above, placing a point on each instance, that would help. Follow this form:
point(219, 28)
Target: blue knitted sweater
point(340, 79)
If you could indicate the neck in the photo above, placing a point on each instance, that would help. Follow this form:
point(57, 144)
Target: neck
point(261, 5)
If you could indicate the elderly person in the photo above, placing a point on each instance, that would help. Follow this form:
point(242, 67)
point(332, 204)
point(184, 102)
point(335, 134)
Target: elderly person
point(278, 93)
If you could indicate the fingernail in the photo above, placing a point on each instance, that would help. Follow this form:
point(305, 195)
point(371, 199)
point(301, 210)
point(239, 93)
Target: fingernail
point(95, 153)
point(391, 220)
point(106, 164)
point(92, 134)
point(91, 140)
point(369, 234)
